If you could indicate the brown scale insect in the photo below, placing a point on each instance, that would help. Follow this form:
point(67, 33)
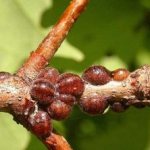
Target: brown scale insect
point(4, 75)
point(118, 107)
point(58, 110)
point(94, 105)
point(66, 98)
point(50, 74)
point(42, 91)
point(97, 75)
point(69, 83)
point(138, 103)
point(120, 74)
point(40, 123)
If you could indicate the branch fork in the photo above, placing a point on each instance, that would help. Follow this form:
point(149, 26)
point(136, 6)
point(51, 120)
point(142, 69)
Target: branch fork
point(15, 89)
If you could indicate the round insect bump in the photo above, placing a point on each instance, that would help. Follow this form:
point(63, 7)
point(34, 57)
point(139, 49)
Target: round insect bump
point(138, 104)
point(97, 75)
point(50, 74)
point(120, 74)
point(118, 107)
point(29, 107)
point(4, 75)
point(93, 105)
point(67, 99)
point(58, 110)
point(42, 91)
point(40, 124)
point(69, 83)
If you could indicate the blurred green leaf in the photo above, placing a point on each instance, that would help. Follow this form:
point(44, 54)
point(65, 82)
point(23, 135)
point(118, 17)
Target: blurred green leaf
point(143, 57)
point(16, 28)
point(145, 3)
point(112, 62)
point(112, 131)
point(35, 144)
point(109, 27)
point(12, 135)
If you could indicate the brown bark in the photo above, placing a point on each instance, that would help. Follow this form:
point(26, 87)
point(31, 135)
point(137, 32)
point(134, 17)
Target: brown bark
point(57, 142)
point(135, 87)
point(37, 61)
point(46, 50)
point(15, 96)
point(14, 91)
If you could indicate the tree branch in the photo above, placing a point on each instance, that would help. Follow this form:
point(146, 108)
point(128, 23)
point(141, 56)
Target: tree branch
point(15, 98)
point(57, 142)
point(46, 50)
point(135, 87)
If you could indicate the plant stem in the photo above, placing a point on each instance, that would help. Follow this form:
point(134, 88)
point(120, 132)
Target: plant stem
point(46, 50)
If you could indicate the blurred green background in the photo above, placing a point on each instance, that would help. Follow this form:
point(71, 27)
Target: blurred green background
point(113, 33)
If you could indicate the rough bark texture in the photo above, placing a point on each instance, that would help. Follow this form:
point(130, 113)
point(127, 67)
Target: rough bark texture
point(46, 50)
point(15, 90)
point(57, 142)
point(135, 87)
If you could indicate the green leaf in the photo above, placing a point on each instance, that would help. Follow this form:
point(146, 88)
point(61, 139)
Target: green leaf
point(143, 57)
point(18, 34)
point(145, 3)
point(128, 130)
point(12, 135)
point(109, 27)
point(112, 62)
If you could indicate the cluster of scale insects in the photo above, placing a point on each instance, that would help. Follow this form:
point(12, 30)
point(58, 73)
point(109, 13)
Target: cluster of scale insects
point(55, 94)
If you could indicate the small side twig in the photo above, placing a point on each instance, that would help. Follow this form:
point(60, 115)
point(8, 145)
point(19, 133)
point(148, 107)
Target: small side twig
point(56, 142)
point(39, 59)
point(46, 50)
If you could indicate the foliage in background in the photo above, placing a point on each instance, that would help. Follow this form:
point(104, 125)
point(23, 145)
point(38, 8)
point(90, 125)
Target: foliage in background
point(113, 33)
